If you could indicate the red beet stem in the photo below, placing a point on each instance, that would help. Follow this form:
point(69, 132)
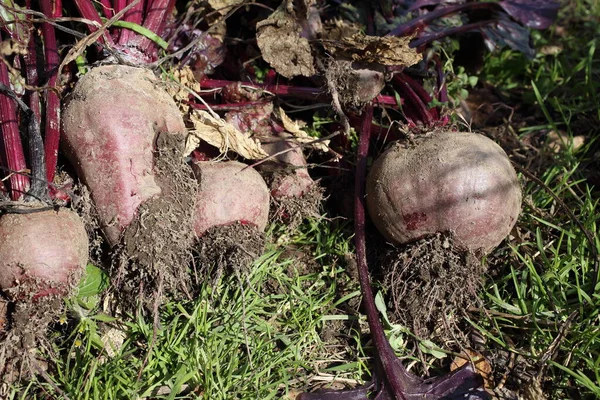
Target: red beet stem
point(135, 15)
point(417, 96)
point(421, 22)
point(291, 91)
point(108, 8)
point(87, 10)
point(12, 146)
point(157, 12)
point(228, 106)
point(32, 73)
point(39, 181)
point(450, 32)
point(52, 129)
point(391, 369)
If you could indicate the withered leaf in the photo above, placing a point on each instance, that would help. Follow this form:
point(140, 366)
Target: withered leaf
point(222, 135)
point(282, 45)
point(180, 91)
point(301, 136)
point(224, 6)
point(385, 50)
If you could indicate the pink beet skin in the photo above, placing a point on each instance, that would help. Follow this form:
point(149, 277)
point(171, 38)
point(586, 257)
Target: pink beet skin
point(447, 182)
point(47, 248)
point(110, 123)
point(229, 192)
point(290, 168)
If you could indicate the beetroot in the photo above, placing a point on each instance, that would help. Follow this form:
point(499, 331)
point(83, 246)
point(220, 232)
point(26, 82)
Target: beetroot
point(110, 125)
point(229, 192)
point(42, 253)
point(290, 173)
point(445, 182)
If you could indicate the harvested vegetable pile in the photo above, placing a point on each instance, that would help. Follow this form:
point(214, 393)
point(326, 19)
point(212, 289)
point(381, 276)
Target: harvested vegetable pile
point(197, 141)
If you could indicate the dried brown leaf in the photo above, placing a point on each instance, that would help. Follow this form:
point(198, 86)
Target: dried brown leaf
point(185, 81)
point(301, 136)
point(281, 44)
point(385, 50)
point(559, 141)
point(224, 6)
point(482, 366)
point(222, 135)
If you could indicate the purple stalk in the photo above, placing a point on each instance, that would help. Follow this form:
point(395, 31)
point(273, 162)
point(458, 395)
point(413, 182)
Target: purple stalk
point(442, 89)
point(87, 10)
point(450, 32)
point(392, 370)
point(307, 93)
point(11, 140)
point(118, 5)
point(421, 22)
point(108, 8)
point(31, 73)
point(442, 94)
point(134, 14)
point(52, 9)
point(39, 182)
point(228, 106)
point(156, 16)
point(415, 100)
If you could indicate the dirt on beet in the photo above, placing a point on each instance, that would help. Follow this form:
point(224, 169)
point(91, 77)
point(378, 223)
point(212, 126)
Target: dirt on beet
point(155, 250)
point(430, 285)
point(24, 332)
point(227, 249)
point(292, 210)
point(356, 85)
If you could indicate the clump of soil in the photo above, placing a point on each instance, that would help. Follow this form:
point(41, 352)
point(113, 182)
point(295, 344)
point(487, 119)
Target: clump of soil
point(155, 249)
point(22, 335)
point(229, 248)
point(356, 84)
point(430, 284)
point(293, 210)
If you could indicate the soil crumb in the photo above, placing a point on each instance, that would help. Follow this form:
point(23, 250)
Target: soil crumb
point(155, 250)
point(430, 285)
point(356, 84)
point(226, 249)
point(293, 210)
point(26, 328)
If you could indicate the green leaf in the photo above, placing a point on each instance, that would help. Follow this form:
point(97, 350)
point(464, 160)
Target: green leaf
point(380, 304)
point(142, 31)
point(13, 18)
point(427, 346)
point(103, 318)
point(94, 281)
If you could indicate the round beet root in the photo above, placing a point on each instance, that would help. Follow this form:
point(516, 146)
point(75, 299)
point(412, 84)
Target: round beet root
point(42, 253)
point(229, 192)
point(446, 182)
point(110, 125)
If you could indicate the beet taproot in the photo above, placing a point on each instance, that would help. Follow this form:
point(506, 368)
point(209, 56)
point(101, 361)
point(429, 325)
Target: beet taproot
point(44, 252)
point(110, 124)
point(288, 169)
point(229, 192)
point(461, 183)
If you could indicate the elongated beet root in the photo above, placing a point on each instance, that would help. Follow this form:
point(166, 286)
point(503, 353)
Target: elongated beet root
point(289, 169)
point(110, 124)
point(229, 192)
point(42, 253)
point(462, 183)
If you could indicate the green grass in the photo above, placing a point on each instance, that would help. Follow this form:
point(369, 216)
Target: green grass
point(247, 337)
point(543, 306)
